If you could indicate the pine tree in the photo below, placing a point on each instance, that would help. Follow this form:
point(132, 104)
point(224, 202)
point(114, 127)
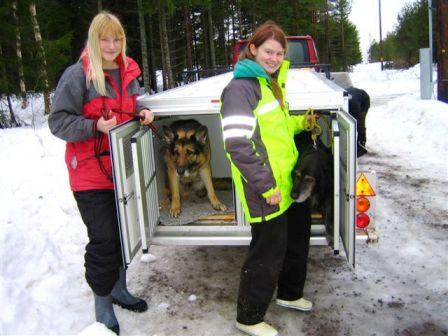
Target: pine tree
point(43, 60)
point(144, 48)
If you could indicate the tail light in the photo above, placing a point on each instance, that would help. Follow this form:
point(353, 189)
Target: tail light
point(362, 204)
point(364, 197)
point(362, 220)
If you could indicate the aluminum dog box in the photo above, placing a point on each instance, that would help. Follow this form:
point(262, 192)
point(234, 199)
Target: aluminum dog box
point(139, 171)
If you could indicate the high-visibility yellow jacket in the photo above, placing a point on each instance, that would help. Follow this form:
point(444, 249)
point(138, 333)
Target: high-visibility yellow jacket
point(259, 139)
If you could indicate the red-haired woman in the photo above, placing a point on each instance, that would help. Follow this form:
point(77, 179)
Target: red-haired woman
point(258, 134)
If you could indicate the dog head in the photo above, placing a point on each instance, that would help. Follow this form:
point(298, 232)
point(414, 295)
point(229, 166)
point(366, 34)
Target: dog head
point(185, 146)
point(313, 174)
point(304, 183)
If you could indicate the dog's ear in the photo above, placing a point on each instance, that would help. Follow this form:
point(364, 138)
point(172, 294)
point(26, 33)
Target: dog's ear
point(168, 134)
point(201, 135)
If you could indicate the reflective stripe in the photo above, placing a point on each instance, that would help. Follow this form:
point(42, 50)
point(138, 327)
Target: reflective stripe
point(268, 107)
point(238, 120)
point(236, 133)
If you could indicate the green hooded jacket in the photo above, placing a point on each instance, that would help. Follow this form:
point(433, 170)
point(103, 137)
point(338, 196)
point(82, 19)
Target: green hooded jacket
point(259, 139)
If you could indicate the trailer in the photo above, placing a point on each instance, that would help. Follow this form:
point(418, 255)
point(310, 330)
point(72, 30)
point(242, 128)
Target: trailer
point(139, 171)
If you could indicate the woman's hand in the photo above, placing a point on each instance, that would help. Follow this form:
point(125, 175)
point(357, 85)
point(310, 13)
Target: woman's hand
point(275, 198)
point(147, 116)
point(104, 125)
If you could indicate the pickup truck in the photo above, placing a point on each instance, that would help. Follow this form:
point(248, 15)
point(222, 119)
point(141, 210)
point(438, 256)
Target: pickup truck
point(301, 52)
point(140, 174)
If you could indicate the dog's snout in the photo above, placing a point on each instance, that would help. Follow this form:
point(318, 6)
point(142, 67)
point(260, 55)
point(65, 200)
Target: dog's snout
point(294, 194)
point(180, 170)
point(296, 184)
point(310, 179)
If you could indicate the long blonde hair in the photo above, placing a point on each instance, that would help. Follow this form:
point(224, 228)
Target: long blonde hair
point(102, 24)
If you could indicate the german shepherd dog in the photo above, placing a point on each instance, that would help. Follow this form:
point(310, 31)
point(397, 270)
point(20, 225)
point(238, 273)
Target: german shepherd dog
point(187, 157)
point(313, 177)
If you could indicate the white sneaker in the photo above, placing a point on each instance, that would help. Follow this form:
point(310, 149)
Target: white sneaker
point(259, 329)
point(300, 304)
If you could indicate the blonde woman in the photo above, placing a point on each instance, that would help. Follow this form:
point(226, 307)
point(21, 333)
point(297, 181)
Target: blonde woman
point(92, 96)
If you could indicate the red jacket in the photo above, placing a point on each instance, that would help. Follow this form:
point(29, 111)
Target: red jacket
point(74, 111)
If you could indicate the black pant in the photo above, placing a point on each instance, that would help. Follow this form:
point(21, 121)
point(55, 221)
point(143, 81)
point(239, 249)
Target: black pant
point(358, 106)
point(360, 116)
point(103, 252)
point(277, 255)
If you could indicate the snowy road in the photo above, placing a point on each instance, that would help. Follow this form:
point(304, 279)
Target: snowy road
point(399, 285)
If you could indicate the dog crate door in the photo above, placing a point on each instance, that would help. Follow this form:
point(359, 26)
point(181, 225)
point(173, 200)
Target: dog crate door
point(145, 184)
point(345, 143)
point(125, 193)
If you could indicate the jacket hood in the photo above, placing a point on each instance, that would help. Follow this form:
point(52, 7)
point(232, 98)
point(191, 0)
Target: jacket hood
point(250, 69)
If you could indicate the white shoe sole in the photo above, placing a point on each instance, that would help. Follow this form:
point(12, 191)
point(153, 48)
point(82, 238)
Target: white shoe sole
point(260, 329)
point(292, 306)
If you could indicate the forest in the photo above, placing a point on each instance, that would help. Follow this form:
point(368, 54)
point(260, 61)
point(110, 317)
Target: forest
point(40, 38)
point(402, 45)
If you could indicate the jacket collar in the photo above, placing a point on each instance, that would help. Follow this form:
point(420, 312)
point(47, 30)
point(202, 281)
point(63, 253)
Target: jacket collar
point(251, 69)
point(131, 71)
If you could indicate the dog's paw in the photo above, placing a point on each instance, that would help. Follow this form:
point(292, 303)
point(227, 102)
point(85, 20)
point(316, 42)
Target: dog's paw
point(219, 206)
point(175, 211)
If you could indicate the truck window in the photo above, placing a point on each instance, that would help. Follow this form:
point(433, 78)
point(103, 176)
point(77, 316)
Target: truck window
point(298, 53)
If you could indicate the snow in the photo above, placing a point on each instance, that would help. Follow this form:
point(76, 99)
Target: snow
point(398, 287)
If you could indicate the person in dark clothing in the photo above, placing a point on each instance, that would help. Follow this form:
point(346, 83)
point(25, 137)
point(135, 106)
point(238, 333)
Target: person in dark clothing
point(92, 96)
point(358, 106)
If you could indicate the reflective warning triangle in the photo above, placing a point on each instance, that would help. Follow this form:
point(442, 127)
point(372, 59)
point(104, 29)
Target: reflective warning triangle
point(363, 187)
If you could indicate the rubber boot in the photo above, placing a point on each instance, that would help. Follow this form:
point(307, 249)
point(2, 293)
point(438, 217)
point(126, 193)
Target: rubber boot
point(124, 299)
point(104, 313)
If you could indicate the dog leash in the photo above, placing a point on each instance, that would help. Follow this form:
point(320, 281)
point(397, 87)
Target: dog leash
point(138, 116)
point(313, 126)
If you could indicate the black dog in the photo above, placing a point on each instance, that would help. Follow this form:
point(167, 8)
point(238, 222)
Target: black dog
point(313, 177)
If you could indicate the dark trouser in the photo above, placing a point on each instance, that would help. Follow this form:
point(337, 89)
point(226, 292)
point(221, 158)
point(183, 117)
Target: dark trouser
point(103, 251)
point(293, 275)
point(362, 138)
point(277, 255)
point(360, 116)
point(358, 106)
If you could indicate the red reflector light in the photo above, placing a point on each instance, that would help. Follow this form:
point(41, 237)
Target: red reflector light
point(362, 220)
point(362, 204)
point(214, 101)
